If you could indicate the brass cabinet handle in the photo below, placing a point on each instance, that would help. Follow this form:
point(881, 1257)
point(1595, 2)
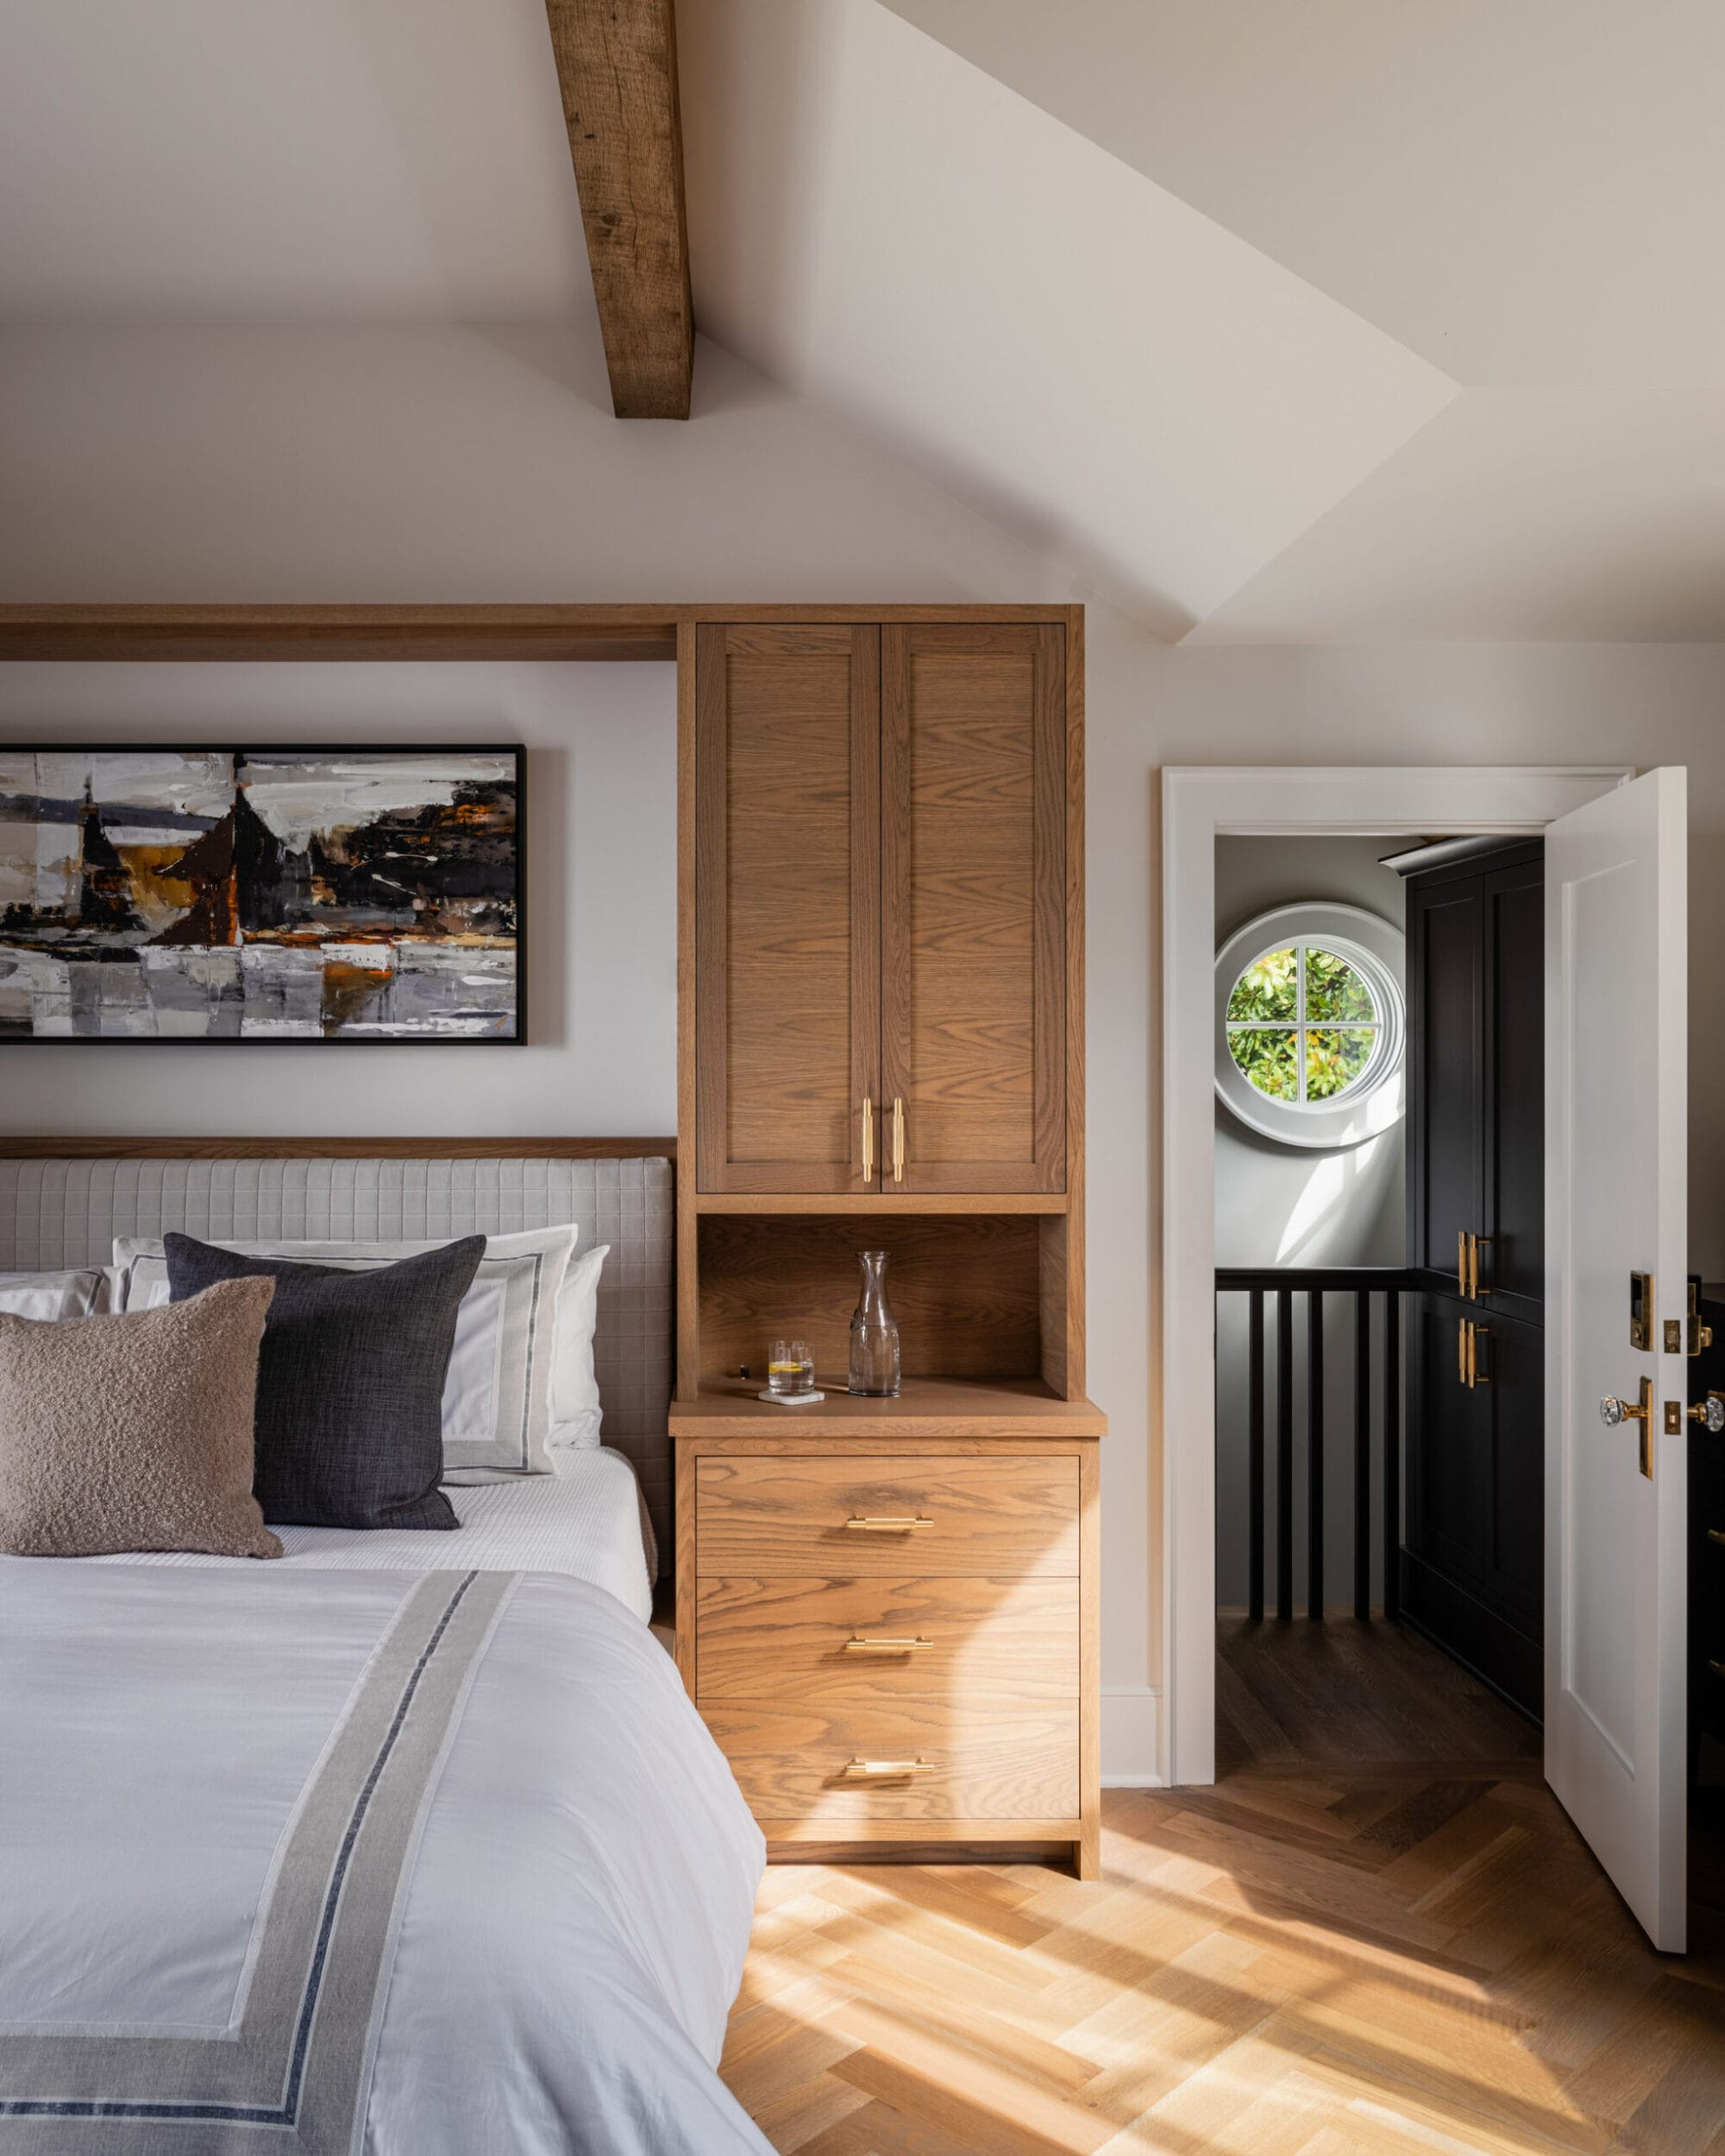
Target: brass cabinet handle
point(898, 1140)
point(1461, 1350)
point(895, 1767)
point(1479, 1242)
point(1461, 1259)
point(1476, 1333)
point(868, 1138)
point(885, 1525)
point(857, 1644)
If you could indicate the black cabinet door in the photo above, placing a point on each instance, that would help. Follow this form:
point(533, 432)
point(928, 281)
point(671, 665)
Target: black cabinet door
point(1511, 1360)
point(1445, 1069)
point(1445, 1472)
point(1472, 1560)
point(1512, 1214)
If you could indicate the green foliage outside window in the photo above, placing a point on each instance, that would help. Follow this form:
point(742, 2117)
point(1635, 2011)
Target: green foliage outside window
point(1275, 1035)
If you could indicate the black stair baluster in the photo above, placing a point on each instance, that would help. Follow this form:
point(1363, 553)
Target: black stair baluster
point(1362, 1456)
point(1315, 1453)
point(1284, 1454)
point(1392, 1456)
point(1254, 1473)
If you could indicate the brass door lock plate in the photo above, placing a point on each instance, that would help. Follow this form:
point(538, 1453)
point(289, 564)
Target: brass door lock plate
point(1673, 1418)
point(1641, 1312)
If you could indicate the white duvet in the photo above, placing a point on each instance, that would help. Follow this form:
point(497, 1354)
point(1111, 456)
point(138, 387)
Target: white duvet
point(363, 1862)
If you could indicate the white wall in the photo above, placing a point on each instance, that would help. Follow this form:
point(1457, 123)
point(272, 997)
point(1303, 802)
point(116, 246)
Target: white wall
point(600, 1058)
point(1285, 1205)
point(484, 464)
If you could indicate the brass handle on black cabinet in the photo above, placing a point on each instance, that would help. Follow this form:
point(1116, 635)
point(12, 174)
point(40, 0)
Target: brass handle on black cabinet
point(1479, 1242)
point(1461, 1260)
point(1461, 1350)
point(898, 1141)
point(1475, 1374)
point(868, 1138)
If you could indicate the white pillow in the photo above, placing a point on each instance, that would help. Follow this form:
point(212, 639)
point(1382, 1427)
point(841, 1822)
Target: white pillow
point(575, 1388)
point(87, 1293)
point(498, 1408)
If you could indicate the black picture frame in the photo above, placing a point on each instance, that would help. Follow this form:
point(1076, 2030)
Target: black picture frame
point(516, 751)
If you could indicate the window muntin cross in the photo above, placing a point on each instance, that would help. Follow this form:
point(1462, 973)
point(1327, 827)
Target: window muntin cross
point(1304, 1025)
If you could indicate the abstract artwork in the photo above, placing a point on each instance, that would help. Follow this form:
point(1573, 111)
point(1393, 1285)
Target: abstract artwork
point(260, 894)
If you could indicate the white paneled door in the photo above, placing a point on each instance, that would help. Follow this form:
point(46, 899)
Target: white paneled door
point(1616, 1208)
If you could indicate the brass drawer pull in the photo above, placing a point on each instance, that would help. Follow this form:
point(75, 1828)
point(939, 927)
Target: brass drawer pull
point(884, 1527)
point(857, 1644)
point(882, 1770)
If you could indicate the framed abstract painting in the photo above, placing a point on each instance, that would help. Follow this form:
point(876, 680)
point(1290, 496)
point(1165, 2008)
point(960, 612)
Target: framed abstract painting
point(353, 895)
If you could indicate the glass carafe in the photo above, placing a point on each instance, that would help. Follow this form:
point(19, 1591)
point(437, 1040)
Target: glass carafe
point(873, 1332)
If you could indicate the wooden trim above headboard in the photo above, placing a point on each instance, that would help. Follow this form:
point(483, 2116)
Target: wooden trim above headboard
point(336, 1148)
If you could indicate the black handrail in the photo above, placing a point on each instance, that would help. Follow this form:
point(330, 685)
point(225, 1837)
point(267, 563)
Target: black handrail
point(1367, 1284)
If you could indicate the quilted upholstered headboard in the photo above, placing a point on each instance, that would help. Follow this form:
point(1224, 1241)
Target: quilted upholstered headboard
point(64, 1213)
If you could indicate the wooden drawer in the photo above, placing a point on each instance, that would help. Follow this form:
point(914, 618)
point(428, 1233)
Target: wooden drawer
point(797, 1763)
point(983, 1517)
point(1005, 1644)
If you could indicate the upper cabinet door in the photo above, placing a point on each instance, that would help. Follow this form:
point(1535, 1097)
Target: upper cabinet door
point(786, 907)
point(973, 916)
point(1445, 1069)
point(1514, 1268)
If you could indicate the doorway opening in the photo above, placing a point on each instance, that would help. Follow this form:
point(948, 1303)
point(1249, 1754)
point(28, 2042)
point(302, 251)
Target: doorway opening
point(1378, 1138)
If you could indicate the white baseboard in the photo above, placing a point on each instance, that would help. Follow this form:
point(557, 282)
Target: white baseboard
point(1132, 1717)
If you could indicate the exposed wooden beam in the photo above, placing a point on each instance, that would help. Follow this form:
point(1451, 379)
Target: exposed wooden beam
point(617, 64)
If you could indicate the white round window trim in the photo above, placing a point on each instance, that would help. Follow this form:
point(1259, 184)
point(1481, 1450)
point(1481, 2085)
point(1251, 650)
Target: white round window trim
point(1375, 1102)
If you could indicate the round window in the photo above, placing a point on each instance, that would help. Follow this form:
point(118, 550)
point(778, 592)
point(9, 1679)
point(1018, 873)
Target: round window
point(1310, 1024)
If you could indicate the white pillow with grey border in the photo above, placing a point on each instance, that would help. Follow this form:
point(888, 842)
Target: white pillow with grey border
point(499, 1409)
point(88, 1292)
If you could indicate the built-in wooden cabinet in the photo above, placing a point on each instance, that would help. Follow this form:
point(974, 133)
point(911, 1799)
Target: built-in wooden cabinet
point(1474, 1474)
point(887, 1609)
point(786, 932)
point(881, 929)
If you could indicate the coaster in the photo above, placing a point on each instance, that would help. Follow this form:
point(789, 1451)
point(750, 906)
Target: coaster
point(792, 1399)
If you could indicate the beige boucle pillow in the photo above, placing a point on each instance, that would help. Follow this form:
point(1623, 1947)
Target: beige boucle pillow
point(134, 1432)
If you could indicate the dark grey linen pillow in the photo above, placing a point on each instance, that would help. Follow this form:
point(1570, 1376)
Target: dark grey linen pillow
point(350, 1429)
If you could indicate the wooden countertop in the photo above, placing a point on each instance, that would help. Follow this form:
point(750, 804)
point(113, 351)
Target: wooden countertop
point(927, 1407)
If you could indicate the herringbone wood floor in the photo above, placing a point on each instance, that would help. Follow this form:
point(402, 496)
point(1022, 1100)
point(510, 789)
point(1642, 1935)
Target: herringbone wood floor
point(1367, 1952)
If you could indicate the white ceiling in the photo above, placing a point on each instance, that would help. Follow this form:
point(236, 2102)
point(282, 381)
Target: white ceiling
point(1346, 320)
point(372, 160)
point(1524, 192)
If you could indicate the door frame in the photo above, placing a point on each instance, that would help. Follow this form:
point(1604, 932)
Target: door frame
point(1201, 803)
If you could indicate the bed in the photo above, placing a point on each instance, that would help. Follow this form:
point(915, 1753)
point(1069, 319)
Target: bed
point(403, 1845)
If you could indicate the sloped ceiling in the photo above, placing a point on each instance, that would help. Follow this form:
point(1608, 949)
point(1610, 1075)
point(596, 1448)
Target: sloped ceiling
point(1341, 320)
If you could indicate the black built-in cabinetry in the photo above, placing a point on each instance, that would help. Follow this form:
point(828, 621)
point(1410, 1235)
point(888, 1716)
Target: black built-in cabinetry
point(1474, 1470)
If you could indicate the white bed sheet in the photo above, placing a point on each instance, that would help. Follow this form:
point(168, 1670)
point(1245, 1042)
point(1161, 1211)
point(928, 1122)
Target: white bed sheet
point(583, 1522)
